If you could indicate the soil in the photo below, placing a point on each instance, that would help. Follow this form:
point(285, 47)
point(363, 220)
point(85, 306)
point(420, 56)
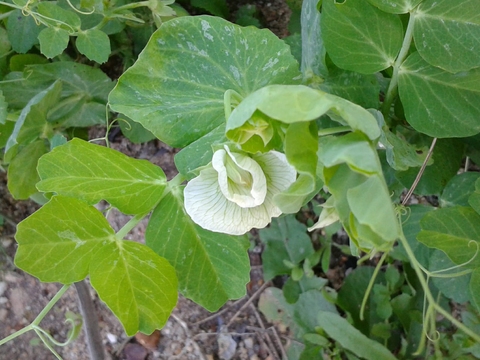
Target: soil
point(190, 333)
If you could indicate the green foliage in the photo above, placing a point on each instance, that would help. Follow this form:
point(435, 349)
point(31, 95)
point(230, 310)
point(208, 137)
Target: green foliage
point(204, 84)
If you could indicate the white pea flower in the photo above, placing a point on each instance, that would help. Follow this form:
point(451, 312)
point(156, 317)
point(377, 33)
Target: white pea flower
point(234, 193)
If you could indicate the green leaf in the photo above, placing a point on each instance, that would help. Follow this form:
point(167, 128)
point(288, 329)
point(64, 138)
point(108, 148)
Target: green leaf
point(455, 287)
point(358, 88)
point(439, 103)
point(214, 7)
point(53, 41)
point(448, 35)
point(3, 109)
point(94, 44)
point(22, 31)
point(313, 52)
point(447, 157)
point(402, 155)
point(212, 267)
point(200, 152)
point(84, 92)
point(395, 6)
point(351, 295)
point(293, 289)
point(56, 16)
point(351, 339)
point(455, 231)
point(138, 286)
point(57, 242)
point(301, 145)
point(381, 298)
point(359, 37)
point(176, 87)
point(310, 303)
point(474, 199)
point(475, 287)
point(32, 121)
point(5, 132)
point(285, 239)
point(297, 103)
point(22, 171)
point(459, 189)
point(92, 173)
point(134, 132)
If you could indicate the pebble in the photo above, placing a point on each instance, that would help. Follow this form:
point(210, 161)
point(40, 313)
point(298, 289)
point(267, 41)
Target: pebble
point(112, 338)
point(3, 315)
point(3, 287)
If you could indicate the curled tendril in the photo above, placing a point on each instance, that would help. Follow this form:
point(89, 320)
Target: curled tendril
point(80, 11)
point(403, 211)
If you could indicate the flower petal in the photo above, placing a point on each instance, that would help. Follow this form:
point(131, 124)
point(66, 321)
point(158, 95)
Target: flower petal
point(240, 178)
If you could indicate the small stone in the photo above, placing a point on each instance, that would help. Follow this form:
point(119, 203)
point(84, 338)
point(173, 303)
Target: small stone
point(226, 346)
point(112, 339)
point(3, 300)
point(6, 243)
point(135, 352)
point(11, 278)
point(3, 314)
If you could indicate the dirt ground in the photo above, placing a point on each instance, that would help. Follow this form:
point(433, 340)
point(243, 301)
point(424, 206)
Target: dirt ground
point(190, 333)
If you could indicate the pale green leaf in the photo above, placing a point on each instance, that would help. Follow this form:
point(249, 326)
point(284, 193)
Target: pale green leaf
point(176, 87)
point(211, 267)
point(371, 206)
point(22, 31)
point(32, 121)
point(459, 189)
point(455, 231)
point(285, 239)
point(359, 37)
point(56, 16)
point(53, 41)
point(439, 103)
point(57, 242)
point(447, 34)
point(93, 173)
point(296, 103)
point(395, 6)
point(302, 155)
point(22, 171)
point(139, 286)
point(351, 339)
point(94, 44)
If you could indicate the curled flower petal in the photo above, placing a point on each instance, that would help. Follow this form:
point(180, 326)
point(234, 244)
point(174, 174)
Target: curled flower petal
point(240, 178)
point(220, 199)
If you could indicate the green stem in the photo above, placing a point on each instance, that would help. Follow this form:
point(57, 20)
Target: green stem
point(392, 87)
point(131, 6)
point(40, 316)
point(334, 130)
point(130, 225)
point(429, 295)
point(371, 283)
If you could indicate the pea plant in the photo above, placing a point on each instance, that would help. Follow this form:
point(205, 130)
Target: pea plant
point(385, 97)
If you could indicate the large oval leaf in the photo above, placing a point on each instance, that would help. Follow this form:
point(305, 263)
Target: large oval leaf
point(447, 34)
point(211, 267)
point(395, 6)
point(56, 243)
point(176, 87)
point(439, 103)
point(92, 173)
point(139, 286)
point(359, 37)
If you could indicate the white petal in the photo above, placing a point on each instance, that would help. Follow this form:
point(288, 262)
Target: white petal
point(240, 178)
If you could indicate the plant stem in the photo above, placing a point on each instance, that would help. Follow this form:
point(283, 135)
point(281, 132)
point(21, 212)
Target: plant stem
point(392, 87)
point(130, 225)
point(334, 130)
point(90, 321)
point(40, 316)
point(428, 294)
point(371, 283)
